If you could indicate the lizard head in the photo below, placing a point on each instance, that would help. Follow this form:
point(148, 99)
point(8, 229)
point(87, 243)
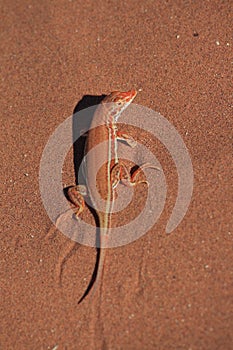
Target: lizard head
point(119, 101)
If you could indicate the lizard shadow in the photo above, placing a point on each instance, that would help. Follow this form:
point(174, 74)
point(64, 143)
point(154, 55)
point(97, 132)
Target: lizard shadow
point(82, 117)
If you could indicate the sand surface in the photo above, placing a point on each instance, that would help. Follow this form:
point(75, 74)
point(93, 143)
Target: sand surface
point(161, 291)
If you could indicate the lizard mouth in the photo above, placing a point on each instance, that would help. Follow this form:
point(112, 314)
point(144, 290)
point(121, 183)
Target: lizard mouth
point(125, 97)
point(129, 95)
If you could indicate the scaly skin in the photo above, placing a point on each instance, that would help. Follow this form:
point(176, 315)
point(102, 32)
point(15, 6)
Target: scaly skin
point(107, 113)
point(104, 130)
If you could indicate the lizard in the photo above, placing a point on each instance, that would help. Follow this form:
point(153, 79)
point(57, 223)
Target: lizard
point(104, 130)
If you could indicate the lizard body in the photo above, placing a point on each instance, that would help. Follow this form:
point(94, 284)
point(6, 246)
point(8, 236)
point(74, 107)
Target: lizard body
point(101, 183)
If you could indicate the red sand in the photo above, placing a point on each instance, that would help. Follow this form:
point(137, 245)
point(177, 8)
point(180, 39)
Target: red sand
point(160, 292)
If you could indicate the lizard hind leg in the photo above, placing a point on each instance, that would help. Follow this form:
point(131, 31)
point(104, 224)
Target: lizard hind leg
point(76, 196)
point(66, 254)
point(68, 249)
point(54, 227)
point(115, 175)
point(139, 170)
point(121, 173)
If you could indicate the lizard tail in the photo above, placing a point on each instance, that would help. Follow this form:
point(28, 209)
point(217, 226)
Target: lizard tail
point(96, 279)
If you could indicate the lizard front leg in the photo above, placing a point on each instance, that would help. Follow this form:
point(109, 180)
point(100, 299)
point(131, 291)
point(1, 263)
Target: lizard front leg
point(121, 136)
